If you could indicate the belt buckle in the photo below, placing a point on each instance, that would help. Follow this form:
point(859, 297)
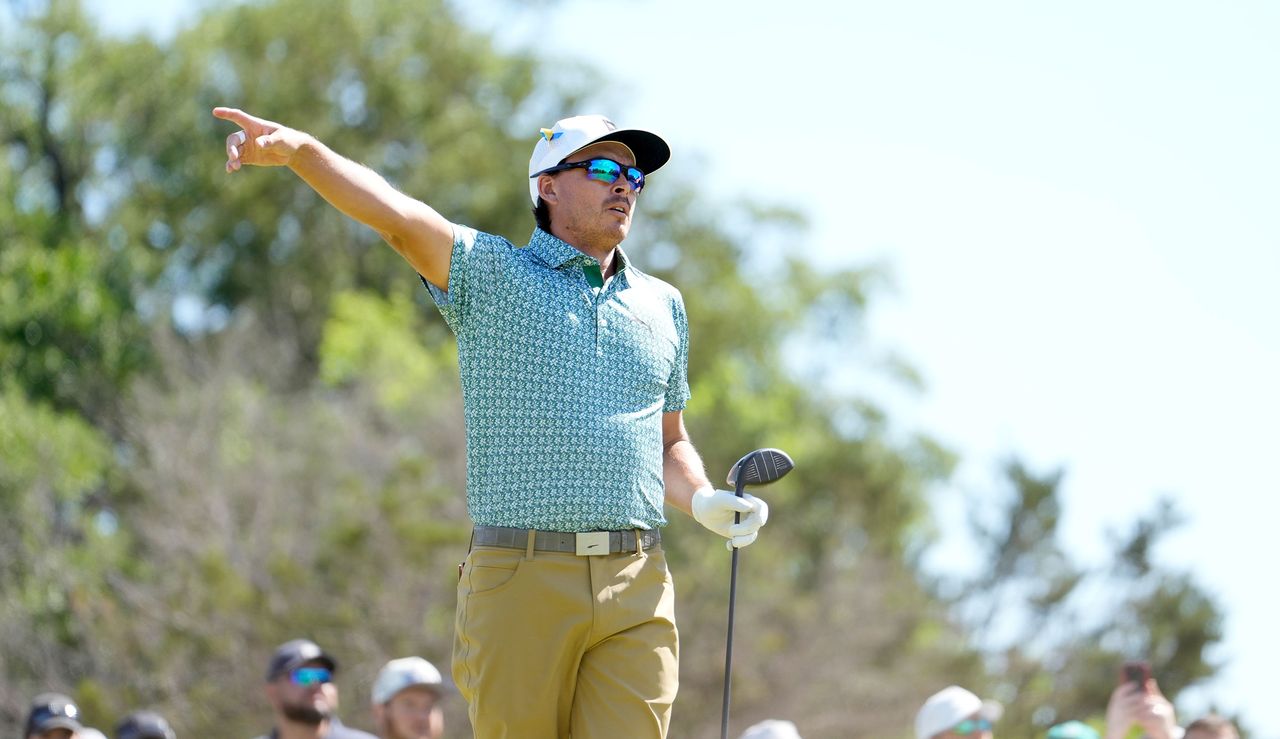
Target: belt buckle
point(591, 543)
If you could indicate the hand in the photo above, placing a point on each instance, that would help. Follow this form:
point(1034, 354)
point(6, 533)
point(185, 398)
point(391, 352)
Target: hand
point(715, 508)
point(259, 142)
point(1147, 708)
point(1156, 716)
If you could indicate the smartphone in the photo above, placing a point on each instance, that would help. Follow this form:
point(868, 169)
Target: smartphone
point(1137, 672)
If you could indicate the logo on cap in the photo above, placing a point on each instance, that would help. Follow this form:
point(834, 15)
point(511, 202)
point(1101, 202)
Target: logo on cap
point(550, 135)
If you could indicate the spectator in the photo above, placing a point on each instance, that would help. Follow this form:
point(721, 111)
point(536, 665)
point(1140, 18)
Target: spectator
point(303, 697)
point(52, 716)
point(144, 725)
point(955, 712)
point(1142, 705)
point(406, 700)
point(771, 729)
point(1211, 727)
point(1072, 730)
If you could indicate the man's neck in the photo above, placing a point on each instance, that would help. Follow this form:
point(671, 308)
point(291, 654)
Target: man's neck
point(607, 256)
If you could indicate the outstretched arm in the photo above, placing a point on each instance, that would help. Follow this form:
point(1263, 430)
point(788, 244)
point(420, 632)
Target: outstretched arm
point(420, 234)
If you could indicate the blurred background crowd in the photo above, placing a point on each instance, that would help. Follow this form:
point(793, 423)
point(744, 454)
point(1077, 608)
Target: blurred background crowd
point(406, 701)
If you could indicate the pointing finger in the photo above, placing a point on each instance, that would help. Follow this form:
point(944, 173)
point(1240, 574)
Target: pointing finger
point(237, 116)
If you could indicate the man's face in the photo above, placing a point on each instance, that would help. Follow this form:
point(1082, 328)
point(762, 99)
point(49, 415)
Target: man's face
point(305, 695)
point(55, 734)
point(588, 211)
point(973, 727)
point(412, 713)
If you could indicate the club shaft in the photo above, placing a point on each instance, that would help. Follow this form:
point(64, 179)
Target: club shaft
point(728, 644)
point(728, 648)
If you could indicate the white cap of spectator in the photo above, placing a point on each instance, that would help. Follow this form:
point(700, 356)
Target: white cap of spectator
point(950, 706)
point(771, 729)
point(406, 672)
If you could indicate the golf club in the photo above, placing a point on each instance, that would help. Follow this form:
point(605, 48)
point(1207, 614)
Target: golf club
point(760, 467)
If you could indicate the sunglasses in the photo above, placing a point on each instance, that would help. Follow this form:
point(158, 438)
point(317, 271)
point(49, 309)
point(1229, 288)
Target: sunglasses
point(971, 726)
point(311, 676)
point(602, 170)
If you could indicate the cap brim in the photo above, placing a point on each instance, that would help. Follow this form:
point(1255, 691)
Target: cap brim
point(294, 664)
point(58, 722)
point(992, 710)
point(650, 150)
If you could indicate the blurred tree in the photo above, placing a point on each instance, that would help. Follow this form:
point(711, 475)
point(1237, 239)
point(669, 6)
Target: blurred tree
point(1056, 631)
point(69, 330)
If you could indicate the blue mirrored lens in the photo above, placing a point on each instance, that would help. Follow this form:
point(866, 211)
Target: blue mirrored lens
point(608, 171)
point(308, 676)
point(971, 726)
point(605, 170)
point(636, 178)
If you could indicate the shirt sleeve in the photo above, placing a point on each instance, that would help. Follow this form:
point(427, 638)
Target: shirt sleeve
point(475, 261)
point(678, 384)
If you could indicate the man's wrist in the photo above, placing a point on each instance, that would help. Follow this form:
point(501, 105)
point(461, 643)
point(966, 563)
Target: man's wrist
point(697, 498)
point(305, 147)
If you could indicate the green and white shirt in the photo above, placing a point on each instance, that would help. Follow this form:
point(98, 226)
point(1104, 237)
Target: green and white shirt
point(564, 383)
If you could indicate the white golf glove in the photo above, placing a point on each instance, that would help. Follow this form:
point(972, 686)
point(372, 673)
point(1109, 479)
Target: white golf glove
point(715, 508)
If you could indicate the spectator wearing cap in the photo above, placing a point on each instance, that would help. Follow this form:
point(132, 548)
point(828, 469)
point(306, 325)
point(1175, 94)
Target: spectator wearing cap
point(771, 729)
point(302, 694)
point(144, 725)
point(52, 716)
point(955, 712)
point(406, 700)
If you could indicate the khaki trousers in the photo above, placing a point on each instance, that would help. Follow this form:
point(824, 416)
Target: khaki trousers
point(550, 645)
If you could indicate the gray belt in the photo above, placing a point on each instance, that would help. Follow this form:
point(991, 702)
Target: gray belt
point(587, 543)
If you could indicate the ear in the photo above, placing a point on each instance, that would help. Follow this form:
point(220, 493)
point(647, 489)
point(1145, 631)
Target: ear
point(547, 189)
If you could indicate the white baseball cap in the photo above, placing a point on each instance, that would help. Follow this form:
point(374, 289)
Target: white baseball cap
point(771, 729)
point(406, 672)
point(568, 135)
point(950, 706)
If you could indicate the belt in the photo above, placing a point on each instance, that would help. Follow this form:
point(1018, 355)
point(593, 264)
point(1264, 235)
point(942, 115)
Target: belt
point(586, 543)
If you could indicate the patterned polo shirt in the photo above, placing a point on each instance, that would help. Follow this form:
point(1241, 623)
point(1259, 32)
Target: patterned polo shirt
point(564, 382)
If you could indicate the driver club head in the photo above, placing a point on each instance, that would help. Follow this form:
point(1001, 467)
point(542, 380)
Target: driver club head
point(761, 467)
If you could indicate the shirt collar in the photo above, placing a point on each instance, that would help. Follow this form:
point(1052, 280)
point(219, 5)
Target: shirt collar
point(558, 253)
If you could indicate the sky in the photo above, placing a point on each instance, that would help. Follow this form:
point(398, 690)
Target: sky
point(1076, 202)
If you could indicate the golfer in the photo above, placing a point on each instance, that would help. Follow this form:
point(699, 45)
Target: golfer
point(573, 365)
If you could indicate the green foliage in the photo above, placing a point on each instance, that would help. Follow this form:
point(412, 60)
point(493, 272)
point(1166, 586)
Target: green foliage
point(387, 344)
point(1036, 611)
point(53, 469)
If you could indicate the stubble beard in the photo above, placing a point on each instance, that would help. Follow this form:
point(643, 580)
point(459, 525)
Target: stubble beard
point(305, 713)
